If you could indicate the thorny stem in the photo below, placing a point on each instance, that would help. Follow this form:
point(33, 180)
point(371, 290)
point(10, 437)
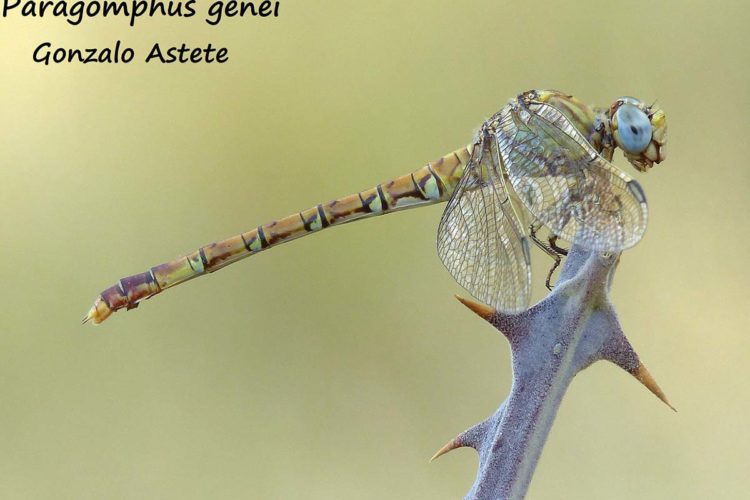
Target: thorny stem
point(571, 328)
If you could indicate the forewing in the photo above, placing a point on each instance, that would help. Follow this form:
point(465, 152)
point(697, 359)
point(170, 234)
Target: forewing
point(480, 240)
point(566, 184)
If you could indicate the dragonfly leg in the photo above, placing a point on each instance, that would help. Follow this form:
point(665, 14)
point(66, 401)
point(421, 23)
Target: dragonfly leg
point(553, 245)
point(559, 252)
point(550, 249)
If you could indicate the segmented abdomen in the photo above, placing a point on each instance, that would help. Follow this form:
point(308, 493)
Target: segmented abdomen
point(432, 183)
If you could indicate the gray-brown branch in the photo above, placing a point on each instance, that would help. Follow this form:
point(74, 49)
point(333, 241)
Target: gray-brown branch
point(574, 326)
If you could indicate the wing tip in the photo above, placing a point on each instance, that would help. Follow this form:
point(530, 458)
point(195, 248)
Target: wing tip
point(637, 191)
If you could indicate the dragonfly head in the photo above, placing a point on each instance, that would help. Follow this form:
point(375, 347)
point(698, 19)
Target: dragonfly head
point(640, 131)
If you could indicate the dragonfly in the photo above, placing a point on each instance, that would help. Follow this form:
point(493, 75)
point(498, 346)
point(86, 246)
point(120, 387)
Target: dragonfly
point(544, 159)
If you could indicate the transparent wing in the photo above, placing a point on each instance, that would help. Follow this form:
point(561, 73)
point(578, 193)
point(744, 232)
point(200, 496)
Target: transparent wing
point(480, 240)
point(565, 183)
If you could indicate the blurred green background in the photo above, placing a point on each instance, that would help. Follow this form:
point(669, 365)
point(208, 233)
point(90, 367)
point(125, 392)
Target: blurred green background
point(335, 366)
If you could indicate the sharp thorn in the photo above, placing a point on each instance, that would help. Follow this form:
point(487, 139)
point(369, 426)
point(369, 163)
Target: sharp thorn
point(483, 311)
point(450, 445)
point(644, 377)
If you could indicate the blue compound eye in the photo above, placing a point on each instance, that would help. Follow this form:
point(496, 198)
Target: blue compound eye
point(634, 128)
